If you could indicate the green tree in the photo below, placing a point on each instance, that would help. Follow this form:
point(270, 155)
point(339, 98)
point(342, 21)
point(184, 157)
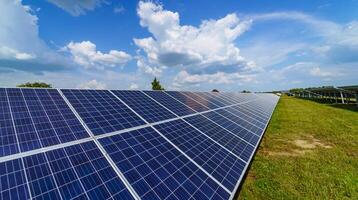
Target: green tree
point(156, 85)
point(35, 85)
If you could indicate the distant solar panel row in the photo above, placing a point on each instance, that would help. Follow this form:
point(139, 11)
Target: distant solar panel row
point(141, 144)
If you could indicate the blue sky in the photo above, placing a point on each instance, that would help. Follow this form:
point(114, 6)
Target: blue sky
point(189, 45)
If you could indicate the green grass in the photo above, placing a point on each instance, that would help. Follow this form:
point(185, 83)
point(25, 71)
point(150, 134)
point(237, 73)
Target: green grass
point(283, 170)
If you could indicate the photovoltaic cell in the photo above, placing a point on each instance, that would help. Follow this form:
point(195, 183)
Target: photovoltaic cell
point(220, 97)
point(188, 101)
point(169, 102)
point(8, 143)
point(247, 136)
point(144, 106)
point(202, 100)
point(252, 124)
point(234, 144)
point(74, 172)
point(156, 170)
point(101, 111)
point(235, 128)
point(25, 129)
point(218, 162)
point(212, 99)
point(251, 117)
point(12, 180)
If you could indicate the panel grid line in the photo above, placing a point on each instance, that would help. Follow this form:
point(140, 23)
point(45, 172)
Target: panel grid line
point(22, 161)
point(35, 151)
point(111, 162)
point(180, 151)
point(201, 132)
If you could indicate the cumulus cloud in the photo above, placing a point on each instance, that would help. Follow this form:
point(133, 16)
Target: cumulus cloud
point(210, 45)
point(85, 54)
point(92, 84)
point(133, 86)
point(77, 7)
point(184, 77)
point(20, 44)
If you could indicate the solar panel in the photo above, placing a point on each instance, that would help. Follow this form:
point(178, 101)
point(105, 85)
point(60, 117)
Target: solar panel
point(8, 140)
point(157, 170)
point(144, 106)
point(237, 146)
point(237, 129)
point(188, 101)
point(202, 100)
point(78, 171)
point(169, 102)
point(93, 144)
point(13, 182)
point(218, 162)
point(101, 111)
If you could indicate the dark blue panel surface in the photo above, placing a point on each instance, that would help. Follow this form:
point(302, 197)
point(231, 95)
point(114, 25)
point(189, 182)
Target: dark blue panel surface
point(187, 101)
point(8, 142)
point(74, 172)
point(222, 165)
point(231, 142)
point(169, 102)
point(157, 170)
point(235, 128)
point(101, 111)
point(12, 180)
point(249, 123)
point(41, 182)
point(250, 116)
point(219, 102)
point(25, 129)
point(202, 100)
point(144, 106)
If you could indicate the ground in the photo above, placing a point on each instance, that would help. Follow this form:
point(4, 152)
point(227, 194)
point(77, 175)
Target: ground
point(309, 151)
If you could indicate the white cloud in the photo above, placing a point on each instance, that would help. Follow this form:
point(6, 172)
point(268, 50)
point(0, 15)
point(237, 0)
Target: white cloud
point(144, 67)
point(77, 7)
point(9, 53)
point(92, 84)
point(184, 77)
point(85, 54)
point(211, 45)
point(133, 86)
point(317, 71)
point(19, 39)
point(118, 10)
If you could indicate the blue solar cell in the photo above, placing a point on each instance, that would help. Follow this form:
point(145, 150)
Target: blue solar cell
point(25, 129)
point(169, 102)
point(12, 180)
point(74, 172)
point(247, 136)
point(220, 97)
point(101, 111)
point(231, 142)
point(144, 106)
point(251, 123)
point(188, 101)
point(202, 100)
point(157, 170)
point(213, 99)
point(235, 128)
point(251, 117)
point(8, 143)
point(217, 161)
point(42, 118)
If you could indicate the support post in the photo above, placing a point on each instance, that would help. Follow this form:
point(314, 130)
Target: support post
point(342, 97)
point(357, 98)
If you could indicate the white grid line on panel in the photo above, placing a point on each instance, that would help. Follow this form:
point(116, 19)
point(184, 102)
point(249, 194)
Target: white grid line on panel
point(47, 160)
point(201, 131)
point(111, 162)
point(208, 174)
point(251, 156)
point(18, 144)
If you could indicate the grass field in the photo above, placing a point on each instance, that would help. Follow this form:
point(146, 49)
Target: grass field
point(309, 151)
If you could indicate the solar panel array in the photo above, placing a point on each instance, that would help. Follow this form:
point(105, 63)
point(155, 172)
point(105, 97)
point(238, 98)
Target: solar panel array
point(112, 144)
